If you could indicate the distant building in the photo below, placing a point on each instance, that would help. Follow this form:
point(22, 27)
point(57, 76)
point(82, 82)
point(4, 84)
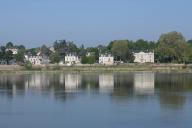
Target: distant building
point(72, 59)
point(14, 50)
point(90, 54)
point(143, 57)
point(107, 59)
point(52, 49)
point(37, 60)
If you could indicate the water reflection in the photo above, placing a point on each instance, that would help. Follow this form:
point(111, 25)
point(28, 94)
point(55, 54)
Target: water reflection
point(106, 82)
point(171, 90)
point(72, 81)
point(144, 83)
point(37, 80)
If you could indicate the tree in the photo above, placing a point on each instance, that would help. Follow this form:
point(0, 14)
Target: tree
point(32, 51)
point(81, 51)
point(9, 45)
point(2, 53)
point(8, 56)
point(45, 50)
point(189, 42)
point(19, 57)
point(120, 50)
point(54, 58)
point(71, 47)
point(88, 60)
point(21, 47)
point(141, 45)
point(171, 48)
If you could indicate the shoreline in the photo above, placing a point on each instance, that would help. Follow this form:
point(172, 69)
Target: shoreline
point(100, 68)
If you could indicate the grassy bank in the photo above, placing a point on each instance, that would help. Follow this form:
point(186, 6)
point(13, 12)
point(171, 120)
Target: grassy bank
point(101, 68)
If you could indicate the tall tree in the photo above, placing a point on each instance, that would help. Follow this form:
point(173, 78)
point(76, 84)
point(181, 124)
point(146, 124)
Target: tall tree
point(54, 57)
point(171, 48)
point(121, 51)
point(45, 50)
point(9, 45)
point(8, 56)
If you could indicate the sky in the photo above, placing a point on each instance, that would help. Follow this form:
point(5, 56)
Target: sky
point(91, 22)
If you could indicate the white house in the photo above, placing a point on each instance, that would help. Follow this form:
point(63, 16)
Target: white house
point(107, 59)
point(37, 60)
point(72, 59)
point(52, 49)
point(90, 54)
point(143, 57)
point(14, 50)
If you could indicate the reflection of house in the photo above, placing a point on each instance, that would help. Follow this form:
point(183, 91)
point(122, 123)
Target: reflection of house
point(143, 57)
point(106, 82)
point(14, 50)
point(72, 59)
point(37, 81)
point(144, 83)
point(107, 59)
point(72, 81)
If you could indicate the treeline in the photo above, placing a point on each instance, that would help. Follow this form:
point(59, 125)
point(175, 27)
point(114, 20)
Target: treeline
point(171, 47)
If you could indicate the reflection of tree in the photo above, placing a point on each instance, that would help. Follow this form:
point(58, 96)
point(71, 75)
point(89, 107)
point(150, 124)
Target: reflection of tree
point(11, 83)
point(123, 86)
point(90, 81)
point(172, 101)
point(173, 82)
point(169, 84)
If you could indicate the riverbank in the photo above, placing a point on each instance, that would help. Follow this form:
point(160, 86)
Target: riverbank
point(101, 68)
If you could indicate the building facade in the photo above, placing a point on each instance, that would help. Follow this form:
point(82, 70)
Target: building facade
point(37, 60)
point(14, 50)
point(107, 59)
point(72, 59)
point(143, 57)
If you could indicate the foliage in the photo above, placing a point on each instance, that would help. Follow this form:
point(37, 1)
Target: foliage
point(20, 56)
point(171, 48)
point(45, 50)
point(9, 45)
point(54, 58)
point(28, 65)
point(88, 60)
point(8, 56)
point(121, 51)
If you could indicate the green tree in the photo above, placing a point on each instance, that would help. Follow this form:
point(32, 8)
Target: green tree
point(8, 56)
point(45, 50)
point(19, 57)
point(54, 58)
point(171, 48)
point(28, 65)
point(88, 60)
point(121, 51)
point(9, 45)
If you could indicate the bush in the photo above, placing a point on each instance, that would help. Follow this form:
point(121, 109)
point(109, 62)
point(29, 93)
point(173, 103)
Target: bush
point(88, 60)
point(28, 65)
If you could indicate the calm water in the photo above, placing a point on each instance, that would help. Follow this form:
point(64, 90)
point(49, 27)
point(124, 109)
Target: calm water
point(96, 100)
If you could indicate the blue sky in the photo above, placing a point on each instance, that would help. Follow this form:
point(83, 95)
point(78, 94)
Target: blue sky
point(91, 22)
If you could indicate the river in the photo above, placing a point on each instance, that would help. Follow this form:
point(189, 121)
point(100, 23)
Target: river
point(96, 100)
